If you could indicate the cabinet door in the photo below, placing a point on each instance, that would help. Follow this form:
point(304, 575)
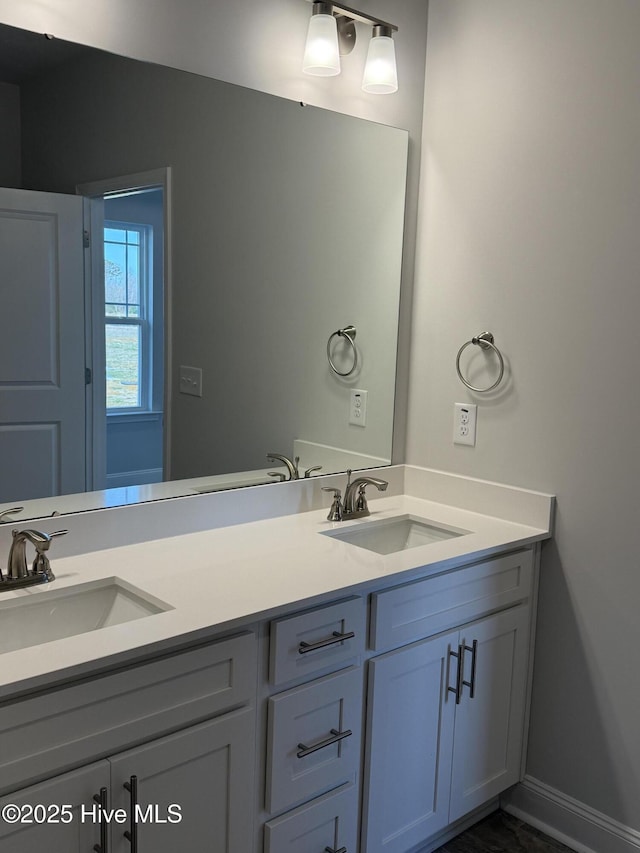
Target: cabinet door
point(201, 776)
point(489, 727)
point(409, 743)
point(75, 790)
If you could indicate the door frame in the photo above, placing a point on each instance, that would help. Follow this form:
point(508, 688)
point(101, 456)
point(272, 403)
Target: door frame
point(95, 191)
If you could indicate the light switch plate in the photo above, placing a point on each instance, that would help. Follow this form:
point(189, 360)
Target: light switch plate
point(191, 380)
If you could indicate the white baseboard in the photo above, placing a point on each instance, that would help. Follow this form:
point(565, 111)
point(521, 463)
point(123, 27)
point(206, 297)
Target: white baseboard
point(134, 478)
point(569, 821)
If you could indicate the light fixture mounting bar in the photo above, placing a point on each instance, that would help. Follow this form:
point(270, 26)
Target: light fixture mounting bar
point(340, 9)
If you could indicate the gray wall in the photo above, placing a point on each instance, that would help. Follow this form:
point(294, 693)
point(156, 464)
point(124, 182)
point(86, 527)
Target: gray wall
point(530, 204)
point(285, 227)
point(10, 168)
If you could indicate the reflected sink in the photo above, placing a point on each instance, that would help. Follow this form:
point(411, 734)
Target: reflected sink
point(54, 614)
point(390, 535)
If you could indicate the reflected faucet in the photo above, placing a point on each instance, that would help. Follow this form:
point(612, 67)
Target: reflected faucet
point(292, 467)
point(18, 574)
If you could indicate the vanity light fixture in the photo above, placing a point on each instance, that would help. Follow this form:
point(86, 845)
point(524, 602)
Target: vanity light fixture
point(332, 34)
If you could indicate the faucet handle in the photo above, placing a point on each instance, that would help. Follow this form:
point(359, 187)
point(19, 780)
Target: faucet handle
point(337, 510)
point(278, 476)
point(42, 541)
point(41, 564)
point(11, 511)
point(309, 471)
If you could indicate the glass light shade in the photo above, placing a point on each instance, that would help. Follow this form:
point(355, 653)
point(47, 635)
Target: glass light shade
point(321, 56)
point(380, 74)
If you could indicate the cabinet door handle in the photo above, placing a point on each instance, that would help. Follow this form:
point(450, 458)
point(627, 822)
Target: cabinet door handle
point(459, 674)
point(336, 637)
point(333, 850)
point(132, 834)
point(101, 800)
point(473, 648)
point(336, 736)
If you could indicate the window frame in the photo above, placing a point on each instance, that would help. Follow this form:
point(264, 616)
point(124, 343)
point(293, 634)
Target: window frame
point(142, 322)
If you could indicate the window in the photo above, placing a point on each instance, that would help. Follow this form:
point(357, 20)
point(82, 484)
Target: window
point(127, 285)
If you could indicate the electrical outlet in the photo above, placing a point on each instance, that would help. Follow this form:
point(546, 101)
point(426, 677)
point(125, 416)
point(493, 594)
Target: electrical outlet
point(358, 407)
point(191, 380)
point(464, 423)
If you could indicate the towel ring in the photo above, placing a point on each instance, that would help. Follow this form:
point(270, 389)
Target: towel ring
point(349, 332)
point(485, 341)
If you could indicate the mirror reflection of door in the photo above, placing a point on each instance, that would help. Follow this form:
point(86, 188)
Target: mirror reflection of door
point(133, 336)
point(53, 439)
point(42, 345)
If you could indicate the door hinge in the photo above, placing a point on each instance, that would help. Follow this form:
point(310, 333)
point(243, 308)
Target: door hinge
point(86, 239)
point(88, 378)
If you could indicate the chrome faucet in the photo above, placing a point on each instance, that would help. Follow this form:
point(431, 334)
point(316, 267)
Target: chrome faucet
point(18, 574)
point(292, 467)
point(355, 500)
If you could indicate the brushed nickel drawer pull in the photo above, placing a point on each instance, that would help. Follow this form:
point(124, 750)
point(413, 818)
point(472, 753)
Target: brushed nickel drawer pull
point(336, 637)
point(474, 656)
point(337, 736)
point(101, 799)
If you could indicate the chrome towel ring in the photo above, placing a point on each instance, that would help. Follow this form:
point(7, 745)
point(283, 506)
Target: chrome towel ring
point(485, 341)
point(349, 332)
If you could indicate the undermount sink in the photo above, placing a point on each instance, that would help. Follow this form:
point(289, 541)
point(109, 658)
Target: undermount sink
point(55, 614)
point(390, 535)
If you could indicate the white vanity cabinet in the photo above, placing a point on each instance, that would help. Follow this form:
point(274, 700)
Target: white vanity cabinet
point(446, 714)
point(190, 786)
point(51, 829)
point(186, 788)
point(314, 729)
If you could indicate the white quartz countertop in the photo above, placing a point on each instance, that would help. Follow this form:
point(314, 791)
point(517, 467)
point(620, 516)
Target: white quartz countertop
point(218, 580)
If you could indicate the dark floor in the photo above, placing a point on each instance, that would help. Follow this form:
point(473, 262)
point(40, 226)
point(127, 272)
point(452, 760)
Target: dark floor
point(502, 833)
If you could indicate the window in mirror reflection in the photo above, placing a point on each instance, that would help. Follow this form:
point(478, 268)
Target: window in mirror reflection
point(127, 286)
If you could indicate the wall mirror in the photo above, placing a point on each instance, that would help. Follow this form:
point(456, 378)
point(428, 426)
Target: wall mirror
point(232, 233)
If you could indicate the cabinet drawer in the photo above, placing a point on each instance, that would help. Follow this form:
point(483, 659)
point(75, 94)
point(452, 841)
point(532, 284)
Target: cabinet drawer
point(425, 607)
point(67, 727)
point(329, 822)
point(313, 738)
point(309, 642)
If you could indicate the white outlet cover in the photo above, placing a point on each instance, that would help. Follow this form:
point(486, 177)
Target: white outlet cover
point(358, 407)
point(464, 423)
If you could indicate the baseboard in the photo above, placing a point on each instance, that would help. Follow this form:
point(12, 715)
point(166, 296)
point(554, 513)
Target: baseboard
point(569, 821)
point(134, 478)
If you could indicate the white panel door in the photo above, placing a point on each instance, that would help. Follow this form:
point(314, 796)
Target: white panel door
point(409, 744)
point(490, 726)
point(42, 345)
point(203, 775)
point(58, 815)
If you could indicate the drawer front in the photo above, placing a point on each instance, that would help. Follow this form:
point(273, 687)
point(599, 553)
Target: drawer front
point(426, 607)
point(329, 822)
point(49, 733)
point(309, 643)
point(313, 738)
